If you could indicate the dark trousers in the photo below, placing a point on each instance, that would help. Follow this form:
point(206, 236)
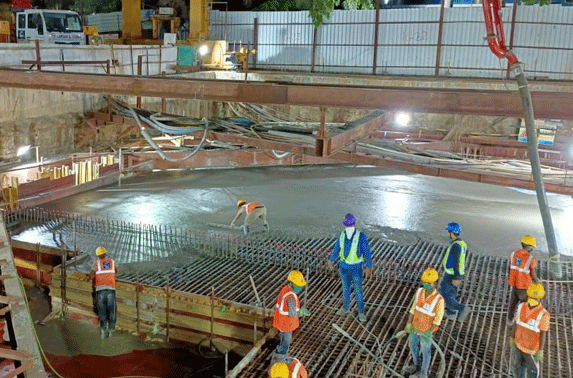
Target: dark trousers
point(516, 297)
point(523, 365)
point(450, 294)
point(106, 308)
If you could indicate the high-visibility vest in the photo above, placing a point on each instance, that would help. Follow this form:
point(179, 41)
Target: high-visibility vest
point(296, 369)
point(353, 254)
point(462, 259)
point(520, 270)
point(252, 206)
point(104, 272)
point(281, 320)
point(425, 310)
point(527, 332)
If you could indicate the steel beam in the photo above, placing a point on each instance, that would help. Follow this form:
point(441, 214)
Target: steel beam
point(424, 100)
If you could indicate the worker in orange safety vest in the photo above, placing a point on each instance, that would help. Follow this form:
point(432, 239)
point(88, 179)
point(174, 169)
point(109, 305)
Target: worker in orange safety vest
point(104, 272)
point(521, 274)
point(290, 368)
point(253, 211)
point(287, 312)
point(424, 320)
point(527, 336)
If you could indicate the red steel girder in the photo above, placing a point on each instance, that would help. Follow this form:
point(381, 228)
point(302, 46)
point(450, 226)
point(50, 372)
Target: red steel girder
point(424, 100)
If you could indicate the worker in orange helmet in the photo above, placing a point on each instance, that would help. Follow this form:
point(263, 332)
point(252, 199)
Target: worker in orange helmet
point(104, 272)
point(290, 368)
point(521, 274)
point(527, 336)
point(287, 312)
point(253, 211)
point(424, 320)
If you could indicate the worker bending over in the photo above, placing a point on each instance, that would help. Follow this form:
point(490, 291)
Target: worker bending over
point(454, 268)
point(424, 320)
point(253, 211)
point(521, 274)
point(104, 272)
point(287, 312)
point(353, 250)
point(527, 336)
point(290, 368)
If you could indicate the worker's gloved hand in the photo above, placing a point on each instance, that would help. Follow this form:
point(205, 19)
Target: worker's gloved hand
point(368, 272)
point(427, 335)
point(331, 264)
point(304, 312)
point(512, 343)
point(457, 283)
point(538, 356)
point(409, 328)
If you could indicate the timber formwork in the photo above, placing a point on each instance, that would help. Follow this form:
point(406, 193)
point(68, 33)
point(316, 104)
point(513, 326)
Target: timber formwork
point(214, 269)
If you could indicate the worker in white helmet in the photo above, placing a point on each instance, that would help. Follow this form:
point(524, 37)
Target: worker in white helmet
point(104, 272)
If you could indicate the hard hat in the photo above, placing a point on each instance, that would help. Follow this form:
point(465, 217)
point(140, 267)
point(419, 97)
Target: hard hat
point(297, 278)
point(430, 275)
point(279, 370)
point(529, 240)
point(536, 291)
point(454, 227)
point(101, 251)
point(241, 203)
point(349, 220)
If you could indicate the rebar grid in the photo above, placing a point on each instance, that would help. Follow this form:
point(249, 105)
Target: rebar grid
point(476, 348)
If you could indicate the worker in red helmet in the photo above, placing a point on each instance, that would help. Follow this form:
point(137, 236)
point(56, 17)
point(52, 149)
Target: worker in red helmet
point(253, 211)
point(521, 274)
point(104, 272)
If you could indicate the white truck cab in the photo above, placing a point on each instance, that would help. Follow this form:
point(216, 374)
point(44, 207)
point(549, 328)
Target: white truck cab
point(50, 26)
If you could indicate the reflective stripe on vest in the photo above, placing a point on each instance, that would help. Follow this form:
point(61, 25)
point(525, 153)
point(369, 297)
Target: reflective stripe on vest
point(284, 301)
point(425, 312)
point(532, 324)
point(296, 369)
point(429, 310)
point(525, 269)
point(106, 271)
point(462, 259)
point(352, 255)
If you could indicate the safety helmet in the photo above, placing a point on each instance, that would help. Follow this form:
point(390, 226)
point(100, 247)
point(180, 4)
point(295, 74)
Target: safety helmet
point(241, 203)
point(349, 220)
point(297, 278)
point(454, 227)
point(279, 370)
point(100, 251)
point(430, 275)
point(536, 291)
point(529, 240)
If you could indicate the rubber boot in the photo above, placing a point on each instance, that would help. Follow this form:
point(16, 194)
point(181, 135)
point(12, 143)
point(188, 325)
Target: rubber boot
point(410, 369)
point(342, 311)
point(266, 226)
point(246, 230)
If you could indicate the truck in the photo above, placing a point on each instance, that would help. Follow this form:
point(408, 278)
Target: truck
point(49, 26)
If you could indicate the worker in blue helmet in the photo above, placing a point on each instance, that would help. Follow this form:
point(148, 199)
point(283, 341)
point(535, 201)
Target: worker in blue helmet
point(454, 271)
point(353, 250)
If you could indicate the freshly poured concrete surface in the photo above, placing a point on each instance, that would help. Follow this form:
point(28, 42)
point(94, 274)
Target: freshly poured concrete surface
point(314, 199)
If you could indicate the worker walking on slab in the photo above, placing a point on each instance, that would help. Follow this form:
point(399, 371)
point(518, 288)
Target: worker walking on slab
point(287, 312)
point(104, 272)
point(353, 250)
point(253, 211)
point(289, 368)
point(527, 336)
point(424, 320)
point(454, 270)
point(521, 274)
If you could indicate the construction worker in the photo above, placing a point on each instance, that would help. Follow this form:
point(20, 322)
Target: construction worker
point(253, 211)
point(287, 312)
point(104, 272)
point(454, 270)
point(424, 320)
point(527, 336)
point(521, 274)
point(290, 368)
point(353, 250)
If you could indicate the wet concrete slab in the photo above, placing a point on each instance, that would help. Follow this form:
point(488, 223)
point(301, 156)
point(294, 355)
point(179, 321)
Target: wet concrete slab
point(313, 199)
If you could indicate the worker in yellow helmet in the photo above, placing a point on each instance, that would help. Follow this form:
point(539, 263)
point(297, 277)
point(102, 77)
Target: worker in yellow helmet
point(424, 320)
point(527, 336)
point(287, 312)
point(521, 274)
point(253, 211)
point(104, 272)
point(290, 368)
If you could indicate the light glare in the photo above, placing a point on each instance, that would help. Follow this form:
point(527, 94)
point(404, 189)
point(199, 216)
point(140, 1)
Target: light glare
point(203, 50)
point(402, 119)
point(22, 150)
